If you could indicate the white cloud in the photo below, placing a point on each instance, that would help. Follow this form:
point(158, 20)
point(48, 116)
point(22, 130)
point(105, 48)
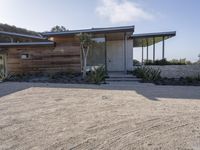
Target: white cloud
point(122, 11)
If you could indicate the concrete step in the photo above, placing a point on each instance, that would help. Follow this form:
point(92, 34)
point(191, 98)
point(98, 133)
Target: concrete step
point(122, 79)
point(123, 83)
point(126, 84)
point(121, 76)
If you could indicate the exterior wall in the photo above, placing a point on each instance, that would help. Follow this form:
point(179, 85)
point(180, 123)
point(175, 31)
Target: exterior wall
point(177, 71)
point(129, 55)
point(64, 57)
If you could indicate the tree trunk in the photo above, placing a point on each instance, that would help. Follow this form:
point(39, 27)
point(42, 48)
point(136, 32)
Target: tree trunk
point(84, 67)
point(85, 53)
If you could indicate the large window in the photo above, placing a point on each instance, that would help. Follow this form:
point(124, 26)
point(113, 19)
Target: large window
point(96, 55)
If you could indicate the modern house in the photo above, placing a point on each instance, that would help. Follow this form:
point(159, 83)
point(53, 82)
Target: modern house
point(60, 51)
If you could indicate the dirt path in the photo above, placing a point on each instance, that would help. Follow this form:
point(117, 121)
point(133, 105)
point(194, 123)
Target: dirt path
point(55, 116)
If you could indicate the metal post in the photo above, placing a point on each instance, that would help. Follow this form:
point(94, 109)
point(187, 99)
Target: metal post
point(125, 49)
point(154, 49)
point(142, 54)
point(163, 48)
point(106, 53)
point(147, 50)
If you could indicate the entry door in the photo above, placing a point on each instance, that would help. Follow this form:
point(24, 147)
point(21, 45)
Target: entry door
point(115, 56)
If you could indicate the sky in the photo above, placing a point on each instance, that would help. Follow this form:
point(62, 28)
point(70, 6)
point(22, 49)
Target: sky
point(148, 16)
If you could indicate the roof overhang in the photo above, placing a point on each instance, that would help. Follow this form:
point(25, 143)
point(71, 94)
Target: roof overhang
point(12, 34)
point(148, 39)
point(26, 44)
point(93, 30)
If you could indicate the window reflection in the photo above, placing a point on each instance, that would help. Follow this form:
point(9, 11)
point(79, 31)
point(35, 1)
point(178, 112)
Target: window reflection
point(96, 55)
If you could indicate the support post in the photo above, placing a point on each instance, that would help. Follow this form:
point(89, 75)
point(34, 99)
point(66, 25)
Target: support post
point(125, 51)
point(147, 50)
point(142, 54)
point(163, 48)
point(154, 49)
point(106, 69)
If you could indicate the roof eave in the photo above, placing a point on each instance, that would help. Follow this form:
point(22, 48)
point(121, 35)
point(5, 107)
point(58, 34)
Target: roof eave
point(26, 44)
point(158, 34)
point(94, 30)
point(22, 35)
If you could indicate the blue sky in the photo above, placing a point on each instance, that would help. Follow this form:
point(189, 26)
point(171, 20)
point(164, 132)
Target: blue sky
point(147, 16)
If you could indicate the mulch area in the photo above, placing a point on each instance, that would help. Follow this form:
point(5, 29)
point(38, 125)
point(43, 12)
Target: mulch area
point(48, 78)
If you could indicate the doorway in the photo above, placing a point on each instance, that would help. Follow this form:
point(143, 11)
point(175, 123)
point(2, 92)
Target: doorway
point(115, 56)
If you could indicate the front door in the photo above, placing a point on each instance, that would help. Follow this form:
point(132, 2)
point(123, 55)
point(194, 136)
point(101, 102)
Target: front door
point(115, 56)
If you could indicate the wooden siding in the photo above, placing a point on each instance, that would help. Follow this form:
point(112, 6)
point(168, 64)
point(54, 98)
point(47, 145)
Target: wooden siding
point(65, 57)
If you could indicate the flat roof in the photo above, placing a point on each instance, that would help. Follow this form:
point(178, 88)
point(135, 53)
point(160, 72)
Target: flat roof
point(92, 30)
point(7, 45)
point(145, 39)
point(22, 35)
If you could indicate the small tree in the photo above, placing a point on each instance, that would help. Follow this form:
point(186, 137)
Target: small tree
point(58, 29)
point(86, 43)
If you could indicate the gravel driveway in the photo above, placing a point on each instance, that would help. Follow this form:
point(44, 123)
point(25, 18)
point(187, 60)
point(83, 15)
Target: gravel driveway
point(58, 116)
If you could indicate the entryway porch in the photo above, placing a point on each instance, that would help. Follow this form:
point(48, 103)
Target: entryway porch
point(121, 77)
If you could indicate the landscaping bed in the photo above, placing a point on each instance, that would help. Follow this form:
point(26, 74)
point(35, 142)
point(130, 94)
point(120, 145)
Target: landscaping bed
point(151, 75)
point(96, 76)
point(188, 81)
point(60, 77)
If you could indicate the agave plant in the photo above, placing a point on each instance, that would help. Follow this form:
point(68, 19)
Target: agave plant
point(97, 76)
point(147, 74)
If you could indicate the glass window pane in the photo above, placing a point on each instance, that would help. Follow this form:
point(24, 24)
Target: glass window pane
point(96, 55)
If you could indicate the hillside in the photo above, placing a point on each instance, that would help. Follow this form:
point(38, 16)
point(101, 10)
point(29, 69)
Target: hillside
point(10, 28)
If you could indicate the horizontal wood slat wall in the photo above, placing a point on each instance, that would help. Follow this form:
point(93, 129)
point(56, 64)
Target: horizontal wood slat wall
point(65, 57)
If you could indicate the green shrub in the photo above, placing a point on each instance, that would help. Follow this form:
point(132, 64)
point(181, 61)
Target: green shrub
point(148, 62)
point(190, 79)
point(197, 77)
point(136, 62)
point(97, 76)
point(166, 62)
point(147, 74)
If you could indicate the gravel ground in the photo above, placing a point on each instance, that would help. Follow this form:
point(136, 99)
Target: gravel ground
point(59, 116)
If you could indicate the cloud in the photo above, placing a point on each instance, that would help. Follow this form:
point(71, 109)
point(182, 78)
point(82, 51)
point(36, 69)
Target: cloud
point(122, 11)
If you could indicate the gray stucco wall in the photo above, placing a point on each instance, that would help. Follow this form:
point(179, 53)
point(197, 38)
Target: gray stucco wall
point(177, 71)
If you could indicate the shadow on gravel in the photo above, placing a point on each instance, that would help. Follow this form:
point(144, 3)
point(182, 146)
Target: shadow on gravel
point(151, 92)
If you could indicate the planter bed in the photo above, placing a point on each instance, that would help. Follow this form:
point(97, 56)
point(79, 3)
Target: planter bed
point(47, 78)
